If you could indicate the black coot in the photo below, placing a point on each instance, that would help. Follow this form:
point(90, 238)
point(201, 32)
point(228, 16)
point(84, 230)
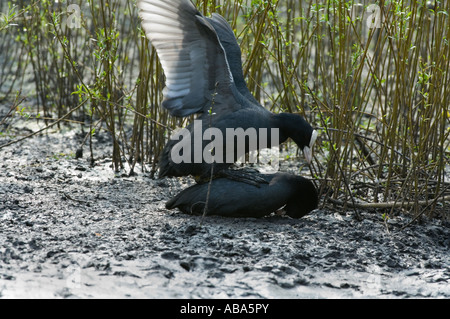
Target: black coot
point(231, 198)
point(202, 64)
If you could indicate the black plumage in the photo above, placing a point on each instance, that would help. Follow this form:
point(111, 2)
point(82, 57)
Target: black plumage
point(231, 198)
point(202, 63)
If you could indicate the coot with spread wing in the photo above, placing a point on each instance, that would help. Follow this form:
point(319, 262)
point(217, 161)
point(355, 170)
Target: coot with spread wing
point(202, 64)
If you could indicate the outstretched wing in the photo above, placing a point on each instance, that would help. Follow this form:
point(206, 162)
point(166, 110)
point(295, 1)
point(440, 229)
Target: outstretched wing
point(233, 54)
point(194, 61)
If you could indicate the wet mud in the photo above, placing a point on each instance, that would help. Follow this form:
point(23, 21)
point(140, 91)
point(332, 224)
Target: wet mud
point(68, 230)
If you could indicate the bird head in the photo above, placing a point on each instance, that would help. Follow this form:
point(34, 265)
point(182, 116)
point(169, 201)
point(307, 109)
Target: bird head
point(300, 131)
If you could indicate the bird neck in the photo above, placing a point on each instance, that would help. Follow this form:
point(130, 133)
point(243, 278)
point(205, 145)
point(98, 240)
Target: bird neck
point(286, 122)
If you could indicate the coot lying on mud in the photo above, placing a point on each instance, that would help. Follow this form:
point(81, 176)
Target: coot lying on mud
point(232, 198)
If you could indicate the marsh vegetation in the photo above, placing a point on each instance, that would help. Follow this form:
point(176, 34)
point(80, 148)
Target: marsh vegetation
point(374, 78)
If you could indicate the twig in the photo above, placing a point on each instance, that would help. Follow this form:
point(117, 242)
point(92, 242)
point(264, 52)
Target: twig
point(45, 128)
point(358, 217)
point(362, 136)
point(395, 204)
point(74, 199)
point(445, 198)
point(15, 104)
point(205, 210)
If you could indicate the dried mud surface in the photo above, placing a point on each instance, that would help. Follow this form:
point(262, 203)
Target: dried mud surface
point(68, 230)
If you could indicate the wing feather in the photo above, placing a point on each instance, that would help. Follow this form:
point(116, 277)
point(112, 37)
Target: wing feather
point(191, 54)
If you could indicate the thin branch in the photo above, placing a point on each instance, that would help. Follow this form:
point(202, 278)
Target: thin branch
point(394, 204)
point(46, 127)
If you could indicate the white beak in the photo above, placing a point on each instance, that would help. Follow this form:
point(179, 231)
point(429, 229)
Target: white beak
point(308, 154)
point(307, 151)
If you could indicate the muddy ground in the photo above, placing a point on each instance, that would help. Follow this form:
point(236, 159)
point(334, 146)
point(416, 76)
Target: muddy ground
point(68, 230)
